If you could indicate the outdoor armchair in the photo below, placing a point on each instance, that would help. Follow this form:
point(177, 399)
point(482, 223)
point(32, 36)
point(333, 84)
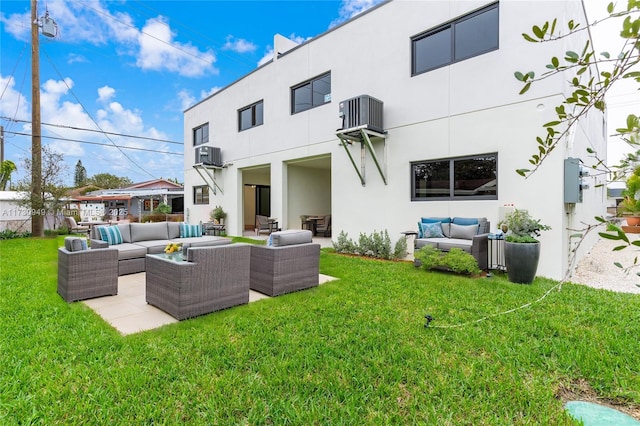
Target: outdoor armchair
point(292, 263)
point(86, 274)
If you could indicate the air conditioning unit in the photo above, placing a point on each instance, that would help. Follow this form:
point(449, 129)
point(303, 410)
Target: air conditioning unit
point(363, 110)
point(209, 156)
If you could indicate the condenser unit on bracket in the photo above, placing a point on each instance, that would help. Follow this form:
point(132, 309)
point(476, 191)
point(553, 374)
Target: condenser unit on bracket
point(363, 110)
point(209, 156)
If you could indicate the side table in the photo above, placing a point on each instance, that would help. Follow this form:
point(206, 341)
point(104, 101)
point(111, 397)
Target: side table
point(496, 252)
point(410, 244)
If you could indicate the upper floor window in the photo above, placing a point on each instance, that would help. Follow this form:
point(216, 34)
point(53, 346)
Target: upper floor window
point(250, 116)
point(455, 178)
point(463, 38)
point(312, 93)
point(201, 135)
point(201, 194)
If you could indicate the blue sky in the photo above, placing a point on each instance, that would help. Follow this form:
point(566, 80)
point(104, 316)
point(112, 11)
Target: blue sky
point(132, 67)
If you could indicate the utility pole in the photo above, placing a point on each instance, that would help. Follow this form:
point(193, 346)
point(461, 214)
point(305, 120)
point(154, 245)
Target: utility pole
point(37, 205)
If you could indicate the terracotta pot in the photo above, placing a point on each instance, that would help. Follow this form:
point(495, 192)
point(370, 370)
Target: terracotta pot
point(633, 220)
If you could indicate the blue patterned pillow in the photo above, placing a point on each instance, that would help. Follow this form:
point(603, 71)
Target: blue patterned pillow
point(432, 230)
point(187, 230)
point(110, 234)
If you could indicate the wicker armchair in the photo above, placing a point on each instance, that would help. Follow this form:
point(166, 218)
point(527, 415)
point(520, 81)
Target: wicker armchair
point(292, 264)
point(212, 278)
point(87, 274)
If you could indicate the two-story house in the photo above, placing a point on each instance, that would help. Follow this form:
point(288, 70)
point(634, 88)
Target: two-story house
point(408, 110)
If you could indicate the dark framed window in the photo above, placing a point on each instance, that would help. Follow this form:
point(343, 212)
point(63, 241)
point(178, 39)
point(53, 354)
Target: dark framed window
point(201, 194)
point(460, 178)
point(463, 38)
point(250, 116)
point(201, 135)
point(311, 93)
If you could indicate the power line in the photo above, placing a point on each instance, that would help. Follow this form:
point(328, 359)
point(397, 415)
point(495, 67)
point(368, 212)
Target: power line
point(96, 131)
point(96, 143)
point(92, 119)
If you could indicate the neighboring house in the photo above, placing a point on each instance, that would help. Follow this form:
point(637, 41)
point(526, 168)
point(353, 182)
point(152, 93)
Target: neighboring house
point(132, 201)
point(440, 131)
point(13, 215)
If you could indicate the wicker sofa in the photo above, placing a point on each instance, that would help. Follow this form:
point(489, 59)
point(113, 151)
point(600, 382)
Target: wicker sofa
point(211, 278)
point(445, 233)
point(85, 274)
point(135, 240)
point(291, 262)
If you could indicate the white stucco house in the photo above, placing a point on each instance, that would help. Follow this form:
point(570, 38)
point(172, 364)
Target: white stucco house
point(408, 110)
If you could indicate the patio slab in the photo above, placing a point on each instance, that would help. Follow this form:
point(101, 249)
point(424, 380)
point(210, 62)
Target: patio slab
point(128, 311)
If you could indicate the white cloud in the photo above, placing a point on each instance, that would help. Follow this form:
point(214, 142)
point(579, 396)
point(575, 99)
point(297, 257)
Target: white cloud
point(351, 8)
point(159, 51)
point(268, 55)
point(12, 103)
point(239, 45)
point(17, 24)
point(105, 94)
point(207, 93)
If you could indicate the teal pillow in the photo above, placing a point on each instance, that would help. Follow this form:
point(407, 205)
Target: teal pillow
point(110, 234)
point(187, 230)
point(432, 230)
point(464, 221)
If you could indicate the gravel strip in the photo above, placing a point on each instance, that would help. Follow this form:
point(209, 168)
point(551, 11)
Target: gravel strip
point(597, 268)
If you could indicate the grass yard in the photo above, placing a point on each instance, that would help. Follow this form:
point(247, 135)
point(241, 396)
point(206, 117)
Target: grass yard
point(352, 351)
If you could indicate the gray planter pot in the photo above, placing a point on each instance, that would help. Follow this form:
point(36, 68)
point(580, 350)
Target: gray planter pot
point(522, 261)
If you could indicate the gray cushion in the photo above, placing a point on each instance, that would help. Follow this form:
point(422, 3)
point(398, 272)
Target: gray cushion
point(464, 232)
point(174, 229)
point(125, 232)
point(149, 231)
point(455, 243)
point(75, 244)
point(204, 241)
point(153, 246)
point(130, 251)
point(291, 237)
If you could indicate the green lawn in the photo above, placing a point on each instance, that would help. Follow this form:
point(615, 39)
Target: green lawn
point(352, 351)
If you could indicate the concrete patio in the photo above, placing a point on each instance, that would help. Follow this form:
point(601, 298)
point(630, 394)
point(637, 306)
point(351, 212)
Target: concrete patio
point(128, 311)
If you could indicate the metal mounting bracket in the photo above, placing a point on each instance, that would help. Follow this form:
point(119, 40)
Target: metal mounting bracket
point(363, 135)
point(208, 175)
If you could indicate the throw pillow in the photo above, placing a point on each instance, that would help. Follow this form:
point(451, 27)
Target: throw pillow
point(75, 244)
point(465, 220)
point(187, 230)
point(463, 232)
point(432, 230)
point(110, 234)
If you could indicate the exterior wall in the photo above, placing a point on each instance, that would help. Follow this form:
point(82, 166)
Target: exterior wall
point(467, 108)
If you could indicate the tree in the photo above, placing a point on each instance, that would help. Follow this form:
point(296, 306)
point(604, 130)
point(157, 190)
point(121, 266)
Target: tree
point(6, 168)
point(53, 190)
point(109, 181)
point(588, 93)
point(80, 176)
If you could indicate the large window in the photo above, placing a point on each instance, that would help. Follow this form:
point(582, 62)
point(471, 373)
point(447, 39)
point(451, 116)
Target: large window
point(455, 178)
point(201, 135)
point(201, 194)
point(466, 37)
point(250, 116)
point(311, 93)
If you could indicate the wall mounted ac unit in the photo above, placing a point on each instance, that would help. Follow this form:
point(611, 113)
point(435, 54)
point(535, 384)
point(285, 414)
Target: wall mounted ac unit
point(362, 110)
point(209, 156)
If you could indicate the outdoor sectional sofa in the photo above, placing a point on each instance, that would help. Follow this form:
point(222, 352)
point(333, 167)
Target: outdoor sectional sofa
point(135, 240)
point(445, 233)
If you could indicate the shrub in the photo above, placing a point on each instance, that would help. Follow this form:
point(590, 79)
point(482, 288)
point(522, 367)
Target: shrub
point(455, 260)
point(8, 234)
point(378, 245)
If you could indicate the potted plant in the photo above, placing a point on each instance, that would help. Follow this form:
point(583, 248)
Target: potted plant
point(521, 248)
point(630, 204)
point(218, 215)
